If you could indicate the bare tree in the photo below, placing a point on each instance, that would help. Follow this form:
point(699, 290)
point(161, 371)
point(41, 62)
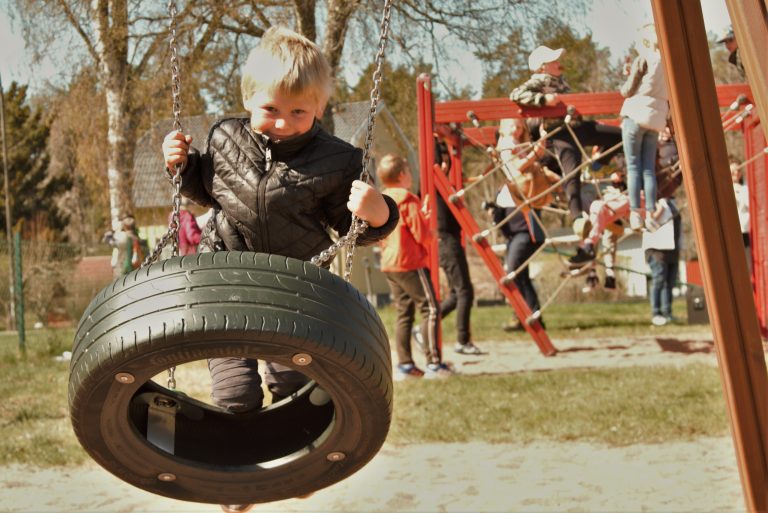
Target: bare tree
point(126, 42)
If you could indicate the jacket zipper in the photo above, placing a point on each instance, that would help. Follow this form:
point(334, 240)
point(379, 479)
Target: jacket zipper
point(262, 197)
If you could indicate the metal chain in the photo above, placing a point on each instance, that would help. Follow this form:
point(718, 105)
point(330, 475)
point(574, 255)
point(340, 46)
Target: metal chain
point(358, 226)
point(172, 235)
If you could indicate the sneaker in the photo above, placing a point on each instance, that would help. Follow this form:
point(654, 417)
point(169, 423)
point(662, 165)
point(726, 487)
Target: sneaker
point(651, 224)
point(658, 320)
point(236, 508)
point(635, 221)
point(417, 337)
point(582, 257)
point(515, 325)
point(468, 348)
point(408, 371)
point(438, 370)
point(610, 283)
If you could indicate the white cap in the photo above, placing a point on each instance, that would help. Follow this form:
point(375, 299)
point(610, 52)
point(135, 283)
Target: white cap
point(542, 55)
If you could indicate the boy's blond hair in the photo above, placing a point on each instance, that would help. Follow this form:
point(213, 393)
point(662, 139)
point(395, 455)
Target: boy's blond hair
point(390, 167)
point(287, 62)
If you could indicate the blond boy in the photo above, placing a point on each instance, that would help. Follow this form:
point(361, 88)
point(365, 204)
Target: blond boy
point(276, 181)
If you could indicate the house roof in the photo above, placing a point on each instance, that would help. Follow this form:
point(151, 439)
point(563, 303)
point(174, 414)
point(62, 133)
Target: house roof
point(151, 187)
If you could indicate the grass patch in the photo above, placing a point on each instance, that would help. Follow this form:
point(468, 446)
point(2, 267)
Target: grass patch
point(34, 414)
point(611, 406)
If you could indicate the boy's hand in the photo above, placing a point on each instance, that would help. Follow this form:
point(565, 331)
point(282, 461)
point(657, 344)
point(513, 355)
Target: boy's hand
point(175, 149)
point(368, 204)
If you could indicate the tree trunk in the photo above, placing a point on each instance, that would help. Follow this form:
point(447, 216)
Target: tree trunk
point(305, 18)
point(111, 24)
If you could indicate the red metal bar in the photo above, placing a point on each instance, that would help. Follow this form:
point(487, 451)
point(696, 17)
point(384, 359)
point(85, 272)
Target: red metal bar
point(434, 182)
point(703, 155)
point(427, 187)
point(756, 178)
point(516, 300)
point(587, 104)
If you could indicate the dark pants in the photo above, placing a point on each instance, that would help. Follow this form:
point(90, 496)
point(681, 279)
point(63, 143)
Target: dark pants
point(237, 384)
point(569, 157)
point(411, 290)
point(453, 260)
point(519, 248)
point(663, 266)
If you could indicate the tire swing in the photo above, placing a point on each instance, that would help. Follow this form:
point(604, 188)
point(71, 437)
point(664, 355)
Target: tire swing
point(241, 304)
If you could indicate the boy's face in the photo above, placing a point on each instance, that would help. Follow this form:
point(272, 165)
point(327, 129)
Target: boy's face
point(282, 117)
point(552, 68)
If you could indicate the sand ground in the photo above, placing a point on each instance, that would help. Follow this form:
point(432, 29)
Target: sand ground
point(694, 476)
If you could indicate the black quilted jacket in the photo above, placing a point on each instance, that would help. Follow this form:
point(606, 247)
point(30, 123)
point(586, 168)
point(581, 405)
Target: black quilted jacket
point(277, 198)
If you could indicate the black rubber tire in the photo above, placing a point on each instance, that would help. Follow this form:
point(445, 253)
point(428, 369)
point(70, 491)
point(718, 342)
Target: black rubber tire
point(232, 304)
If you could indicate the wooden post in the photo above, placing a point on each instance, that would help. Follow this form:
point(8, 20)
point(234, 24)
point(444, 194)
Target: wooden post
point(683, 41)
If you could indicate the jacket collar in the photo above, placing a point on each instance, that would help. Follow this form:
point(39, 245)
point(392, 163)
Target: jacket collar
point(287, 148)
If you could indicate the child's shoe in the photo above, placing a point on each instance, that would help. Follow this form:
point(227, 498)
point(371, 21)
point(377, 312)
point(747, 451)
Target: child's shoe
point(469, 348)
point(236, 508)
point(610, 283)
point(582, 257)
point(651, 224)
point(408, 371)
point(438, 370)
point(635, 221)
point(658, 320)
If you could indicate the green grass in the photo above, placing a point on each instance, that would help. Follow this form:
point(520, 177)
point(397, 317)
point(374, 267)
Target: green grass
point(33, 413)
point(612, 406)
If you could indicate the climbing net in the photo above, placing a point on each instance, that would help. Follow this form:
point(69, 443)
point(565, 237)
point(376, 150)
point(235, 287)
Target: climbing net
point(534, 188)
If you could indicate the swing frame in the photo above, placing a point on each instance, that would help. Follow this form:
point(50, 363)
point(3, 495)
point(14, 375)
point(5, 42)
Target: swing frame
point(703, 156)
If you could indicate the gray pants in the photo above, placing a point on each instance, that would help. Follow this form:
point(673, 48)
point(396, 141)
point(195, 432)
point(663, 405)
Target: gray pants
point(237, 383)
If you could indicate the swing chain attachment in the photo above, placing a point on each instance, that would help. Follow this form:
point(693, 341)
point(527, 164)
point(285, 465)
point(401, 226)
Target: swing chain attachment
point(172, 235)
point(358, 226)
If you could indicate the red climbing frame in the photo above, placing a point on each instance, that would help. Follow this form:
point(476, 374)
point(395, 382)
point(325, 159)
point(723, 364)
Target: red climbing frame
point(432, 114)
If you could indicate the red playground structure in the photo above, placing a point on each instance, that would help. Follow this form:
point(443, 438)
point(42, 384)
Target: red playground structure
point(435, 118)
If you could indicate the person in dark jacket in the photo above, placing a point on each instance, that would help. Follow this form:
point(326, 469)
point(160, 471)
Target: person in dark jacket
point(277, 182)
point(453, 260)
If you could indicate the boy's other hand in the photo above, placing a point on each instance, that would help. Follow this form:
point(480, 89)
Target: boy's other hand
point(368, 204)
point(175, 149)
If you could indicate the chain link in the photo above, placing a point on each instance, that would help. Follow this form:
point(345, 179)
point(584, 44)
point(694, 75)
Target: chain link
point(172, 235)
point(358, 226)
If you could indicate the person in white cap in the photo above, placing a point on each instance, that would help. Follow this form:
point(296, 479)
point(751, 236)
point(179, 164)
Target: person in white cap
point(728, 38)
point(543, 89)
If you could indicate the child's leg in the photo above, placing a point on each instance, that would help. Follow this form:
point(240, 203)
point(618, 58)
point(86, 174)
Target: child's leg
point(425, 300)
point(236, 383)
point(631, 135)
point(648, 166)
point(670, 280)
point(405, 313)
point(283, 381)
point(569, 159)
point(453, 260)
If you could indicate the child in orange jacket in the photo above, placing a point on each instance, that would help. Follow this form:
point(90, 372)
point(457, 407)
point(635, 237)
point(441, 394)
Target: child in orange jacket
point(404, 263)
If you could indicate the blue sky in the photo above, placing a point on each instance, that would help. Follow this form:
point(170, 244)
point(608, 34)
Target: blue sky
point(612, 23)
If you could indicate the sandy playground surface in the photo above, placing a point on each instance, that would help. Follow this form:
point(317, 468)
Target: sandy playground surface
point(475, 477)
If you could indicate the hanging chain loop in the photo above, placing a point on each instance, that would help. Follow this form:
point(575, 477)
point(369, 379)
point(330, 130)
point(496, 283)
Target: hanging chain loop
point(358, 226)
point(172, 235)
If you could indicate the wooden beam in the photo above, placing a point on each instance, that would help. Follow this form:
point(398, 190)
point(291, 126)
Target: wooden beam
point(703, 154)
